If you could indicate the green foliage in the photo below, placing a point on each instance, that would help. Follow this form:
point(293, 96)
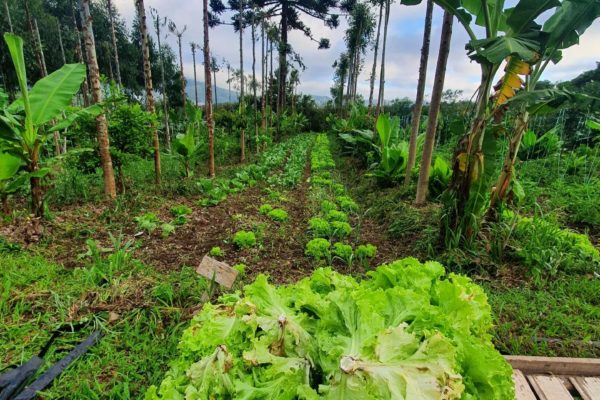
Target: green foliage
point(147, 222)
point(344, 252)
point(327, 206)
point(364, 252)
point(180, 211)
point(216, 252)
point(546, 145)
point(318, 249)
point(265, 209)
point(278, 215)
point(321, 158)
point(347, 204)
point(340, 229)
point(167, 230)
point(241, 269)
point(346, 333)
point(439, 176)
point(244, 239)
point(319, 227)
point(335, 215)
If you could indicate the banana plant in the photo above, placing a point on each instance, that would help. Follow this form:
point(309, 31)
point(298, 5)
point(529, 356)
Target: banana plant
point(393, 153)
point(185, 145)
point(9, 166)
point(39, 105)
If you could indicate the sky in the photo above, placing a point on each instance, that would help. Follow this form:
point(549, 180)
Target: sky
point(402, 59)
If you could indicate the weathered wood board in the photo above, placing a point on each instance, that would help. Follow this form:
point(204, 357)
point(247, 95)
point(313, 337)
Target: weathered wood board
point(549, 387)
point(588, 387)
point(522, 389)
point(555, 365)
point(221, 272)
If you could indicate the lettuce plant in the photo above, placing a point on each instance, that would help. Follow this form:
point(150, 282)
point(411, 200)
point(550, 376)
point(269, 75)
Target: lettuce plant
point(327, 206)
point(319, 249)
point(278, 215)
point(319, 227)
point(364, 252)
point(408, 331)
point(347, 204)
point(344, 252)
point(167, 230)
point(265, 209)
point(335, 215)
point(244, 239)
point(216, 252)
point(341, 229)
point(147, 222)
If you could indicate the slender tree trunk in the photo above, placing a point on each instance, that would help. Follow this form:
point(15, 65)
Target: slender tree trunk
point(5, 205)
point(37, 191)
point(208, 95)
point(381, 99)
point(434, 108)
point(101, 125)
point(376, 53)
point(416, 114)
point(183, 96)
point(36, 46)
point(242, 102)
point(283, 50)
point(165, 98)
point(229, 81)
point(195, 76)
point(216, 91)
point(271, 88)
point(80, 58)
point(40, 47)
point(115, 49)
point(263, 77)
point(10, 26)
point(60, 43)
point(150, 105)
point(254, 83)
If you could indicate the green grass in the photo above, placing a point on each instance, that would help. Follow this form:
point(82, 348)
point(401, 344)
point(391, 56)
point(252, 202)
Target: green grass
point(567, 309)
point(151, 312)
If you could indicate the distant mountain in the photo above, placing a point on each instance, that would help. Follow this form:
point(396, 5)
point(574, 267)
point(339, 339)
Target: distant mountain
point(223, 95)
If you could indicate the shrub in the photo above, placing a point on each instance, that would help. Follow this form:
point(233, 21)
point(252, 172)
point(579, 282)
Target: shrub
point(319, 227)
point(216, 252)
point(344, 252)
point(147, 222)
point(364, 252)
point(340, 229)
point(244, 239)
point(278, 215)
point(265, 209)
point(335, 215)
point(319, 249)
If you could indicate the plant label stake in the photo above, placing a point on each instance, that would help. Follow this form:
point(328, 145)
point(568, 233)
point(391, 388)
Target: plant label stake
point(217, 271)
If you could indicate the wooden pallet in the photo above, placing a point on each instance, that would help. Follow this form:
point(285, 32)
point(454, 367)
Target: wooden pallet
point(558, 378)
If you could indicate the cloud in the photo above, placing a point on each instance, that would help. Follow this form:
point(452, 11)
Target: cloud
point(402, 58)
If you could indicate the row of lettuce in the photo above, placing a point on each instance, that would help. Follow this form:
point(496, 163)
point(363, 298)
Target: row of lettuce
point(331, 228)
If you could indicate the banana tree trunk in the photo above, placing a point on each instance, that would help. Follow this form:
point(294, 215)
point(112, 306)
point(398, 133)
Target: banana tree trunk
point(37, 191)
point(416, 114)
point(5, 205)
point(208, 93)
point(500, 190)
point(434, 109)
point(150, 104)
point(101, 125)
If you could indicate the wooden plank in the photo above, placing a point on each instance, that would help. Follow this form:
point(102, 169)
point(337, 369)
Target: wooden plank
point(588, 387)
point(549, 387)
point(555, 365)
point(222, 273)
point(522, 389)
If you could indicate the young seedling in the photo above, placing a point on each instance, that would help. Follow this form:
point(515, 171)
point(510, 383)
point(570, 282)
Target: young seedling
point(216, 252)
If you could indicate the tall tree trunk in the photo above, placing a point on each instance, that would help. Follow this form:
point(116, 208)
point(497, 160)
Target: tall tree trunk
point(381, 99)
point(36, 46)
point(254, 113)
point(115, 49)
point(271, 88)
point(195, 76)
point(208, 95)
point(416, 114)
point(376, 53)
point(216, 91)
point(183, 96)
point(60, 43)
point(150, 104)
point(263, 77)
point(40, 47)
point(165, 97)
point(434, 108)
point(242, 102)
point(229, 81)
point(101, 125)
point(80, 58)
point(283, 50)
point(10, 26)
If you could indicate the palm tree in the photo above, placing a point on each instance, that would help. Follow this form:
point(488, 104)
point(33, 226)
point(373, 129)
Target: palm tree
point(195, 47)
point(101, 124)
point(434, 108)
point(208, 95)
point(150, 104)
point(416, 114)
point(158, 24)
point(179, 33)
point(111, 18)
